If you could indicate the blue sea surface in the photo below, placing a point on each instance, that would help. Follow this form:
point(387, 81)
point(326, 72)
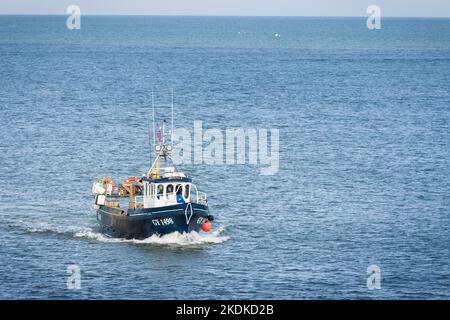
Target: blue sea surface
point(364, 174)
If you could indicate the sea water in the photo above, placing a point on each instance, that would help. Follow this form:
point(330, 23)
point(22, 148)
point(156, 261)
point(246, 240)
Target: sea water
point(364, 170)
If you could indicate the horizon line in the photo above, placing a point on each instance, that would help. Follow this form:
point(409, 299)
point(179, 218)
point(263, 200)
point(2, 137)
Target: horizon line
point(214, 15)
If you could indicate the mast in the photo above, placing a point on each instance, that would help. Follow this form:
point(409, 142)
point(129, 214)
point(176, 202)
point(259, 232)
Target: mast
point(153, 110)
point(171, 130)
point(159, 141)
point(157, 147)
point(158, 151)
point(154, 173)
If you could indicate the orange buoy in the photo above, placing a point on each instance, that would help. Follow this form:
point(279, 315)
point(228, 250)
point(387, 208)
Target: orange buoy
point(206, 226)
point(132, 179)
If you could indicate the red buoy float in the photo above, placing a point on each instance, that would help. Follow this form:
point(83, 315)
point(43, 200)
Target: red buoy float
point(206, 226)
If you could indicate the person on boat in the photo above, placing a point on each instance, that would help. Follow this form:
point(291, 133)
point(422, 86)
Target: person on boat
point(180, 199)
point(179, 191)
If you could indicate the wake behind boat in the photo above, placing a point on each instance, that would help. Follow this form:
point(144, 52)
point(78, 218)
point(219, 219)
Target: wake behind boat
point(165, 200)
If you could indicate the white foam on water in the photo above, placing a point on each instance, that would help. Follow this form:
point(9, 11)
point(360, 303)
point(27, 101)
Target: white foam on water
point(47, 228)
point(174, 239)
point(44, 227)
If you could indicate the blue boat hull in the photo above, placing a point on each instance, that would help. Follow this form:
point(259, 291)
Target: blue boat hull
point(145, 222)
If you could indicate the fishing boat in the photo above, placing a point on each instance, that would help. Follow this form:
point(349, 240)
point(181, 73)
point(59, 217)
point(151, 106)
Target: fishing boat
point(162, 201)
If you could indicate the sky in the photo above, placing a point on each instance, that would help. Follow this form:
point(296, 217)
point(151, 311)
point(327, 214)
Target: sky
point(393, 8)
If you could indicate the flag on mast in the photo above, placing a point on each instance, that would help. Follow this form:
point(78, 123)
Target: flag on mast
point(159, 135)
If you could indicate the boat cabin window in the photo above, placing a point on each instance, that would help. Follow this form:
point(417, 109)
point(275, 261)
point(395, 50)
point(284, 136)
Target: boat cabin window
point(160, 190)
point(169, 190)
point(179, 189)
point(186, 191)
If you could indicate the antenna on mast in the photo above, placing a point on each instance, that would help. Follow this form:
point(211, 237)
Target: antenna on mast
point(171, 130)
point(159, 139)
point(153, 111)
